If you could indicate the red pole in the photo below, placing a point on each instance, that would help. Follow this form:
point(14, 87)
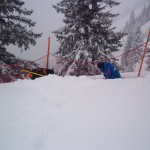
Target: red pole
point(139, 73)
point(48, 52)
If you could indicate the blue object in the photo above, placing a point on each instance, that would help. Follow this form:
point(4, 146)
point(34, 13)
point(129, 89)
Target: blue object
point(110, 71)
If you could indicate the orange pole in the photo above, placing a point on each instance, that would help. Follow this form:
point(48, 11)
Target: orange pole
point(139, 73)
point(48, 52)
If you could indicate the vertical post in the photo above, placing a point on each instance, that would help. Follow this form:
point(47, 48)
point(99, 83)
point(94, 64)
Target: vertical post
point(139, 73)
point(48, 52)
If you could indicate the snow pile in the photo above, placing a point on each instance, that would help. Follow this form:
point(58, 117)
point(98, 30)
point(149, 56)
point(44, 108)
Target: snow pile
point(70, 113)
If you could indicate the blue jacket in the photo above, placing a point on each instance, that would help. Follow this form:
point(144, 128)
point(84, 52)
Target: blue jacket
point(110, 71)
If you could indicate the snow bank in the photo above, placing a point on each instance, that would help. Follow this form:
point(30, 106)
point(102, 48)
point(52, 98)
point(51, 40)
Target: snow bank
point(70, 113)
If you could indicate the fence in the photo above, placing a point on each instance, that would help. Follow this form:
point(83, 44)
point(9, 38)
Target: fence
point(50, 61)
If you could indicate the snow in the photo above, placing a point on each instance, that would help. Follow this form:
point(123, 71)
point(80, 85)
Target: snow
point(75, 113)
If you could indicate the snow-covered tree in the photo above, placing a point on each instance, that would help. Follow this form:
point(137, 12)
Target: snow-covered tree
point(135, 37)
point(132, 50)
point(15, 26)
point(138, 40)
point(130, 25)
point(15, 29)
point(142, 17)
point(88, 34)
point(148, 13)
point(125, 59)
point(125, 29)
point(11, 66)
point(148, 59)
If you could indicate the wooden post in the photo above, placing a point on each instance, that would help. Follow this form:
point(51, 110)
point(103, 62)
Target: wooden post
point(144, 53)
point(48, 52)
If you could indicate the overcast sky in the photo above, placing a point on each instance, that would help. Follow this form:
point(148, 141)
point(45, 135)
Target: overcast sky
point(48, 20)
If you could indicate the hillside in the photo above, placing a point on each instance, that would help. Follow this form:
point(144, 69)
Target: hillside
point(73, 113)
point(70, 113)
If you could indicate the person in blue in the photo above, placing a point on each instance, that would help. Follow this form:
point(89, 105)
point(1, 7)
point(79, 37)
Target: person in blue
point(109, 70)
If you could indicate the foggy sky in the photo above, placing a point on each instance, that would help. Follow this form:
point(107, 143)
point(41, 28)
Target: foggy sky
point(48, 20)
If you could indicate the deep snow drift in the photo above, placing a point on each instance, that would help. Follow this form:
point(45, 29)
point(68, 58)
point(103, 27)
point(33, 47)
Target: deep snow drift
point(70, 113)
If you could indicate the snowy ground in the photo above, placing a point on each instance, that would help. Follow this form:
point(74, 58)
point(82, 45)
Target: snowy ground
point(70, 113)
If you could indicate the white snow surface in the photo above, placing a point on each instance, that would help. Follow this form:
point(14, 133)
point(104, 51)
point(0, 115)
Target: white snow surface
point(75, 113)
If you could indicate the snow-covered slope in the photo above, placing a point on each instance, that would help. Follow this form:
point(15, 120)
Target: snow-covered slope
point(70, 113)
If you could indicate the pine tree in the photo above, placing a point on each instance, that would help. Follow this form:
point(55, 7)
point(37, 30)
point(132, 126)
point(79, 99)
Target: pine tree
point(14, 25)
point(11, 66)
point(148, 13)
point(132, 51)
point(148, 59)
point(132, 23)
point(142, 17)
point(125, 59)
point(138, 40)
point(126, 27)
point(87, 34)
